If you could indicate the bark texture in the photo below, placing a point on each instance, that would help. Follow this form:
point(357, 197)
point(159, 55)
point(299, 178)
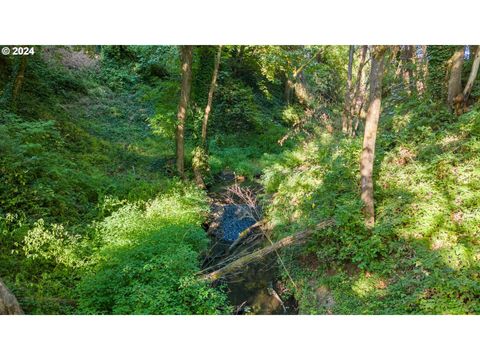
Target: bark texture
point(186, 61)
point(455, 80)
point(371, 124)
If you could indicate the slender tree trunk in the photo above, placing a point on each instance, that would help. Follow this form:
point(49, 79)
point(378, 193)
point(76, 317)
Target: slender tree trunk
point(346, 119)
point(20, 77)
point(200, 159)
point(371, 124)
point(288, 90)
point(358, 95)
point(186, 60)
point(213, 85)
point(422, 71)
point(473, 74)
point(455, 80)
point(8, 302)
point(407, 67)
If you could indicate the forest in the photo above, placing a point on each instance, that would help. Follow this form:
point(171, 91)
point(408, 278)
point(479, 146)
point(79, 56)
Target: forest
point(235, 179)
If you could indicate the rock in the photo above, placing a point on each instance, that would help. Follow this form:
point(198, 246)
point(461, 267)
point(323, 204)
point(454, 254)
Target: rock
point(8, 302)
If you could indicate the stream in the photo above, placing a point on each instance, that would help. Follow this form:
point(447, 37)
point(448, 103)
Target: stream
point(256, 289)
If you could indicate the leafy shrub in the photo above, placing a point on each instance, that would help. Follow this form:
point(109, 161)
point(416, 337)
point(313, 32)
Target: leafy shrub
point(35, 176)
point(235, 108)
point(54, 244)
point(148, 259)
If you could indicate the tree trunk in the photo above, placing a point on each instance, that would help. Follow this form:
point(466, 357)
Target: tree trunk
point(20, 77)
point(301, 90)
point(473, 75)
point(200, 159)
point(407, 67)
point(371, 124)
point(8, 302)
point(455, 80)
point(298, 238)
point(422, 71)
point(359, 95)
point(348, 95)
point(213, 85)
point(198, 176)
point(288, 91)
point(186, 60)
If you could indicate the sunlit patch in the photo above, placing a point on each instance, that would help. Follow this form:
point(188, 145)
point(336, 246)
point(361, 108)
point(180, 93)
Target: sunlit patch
point(456, 257)
point(443, 239)
point(368, 283)
point(404, 156)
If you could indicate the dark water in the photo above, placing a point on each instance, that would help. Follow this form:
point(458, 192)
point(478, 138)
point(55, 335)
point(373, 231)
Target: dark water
point(234, 220)
point(256, 289)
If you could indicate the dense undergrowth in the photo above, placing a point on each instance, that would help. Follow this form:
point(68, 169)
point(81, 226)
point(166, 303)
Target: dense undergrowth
point(423, 254)
point(93, 219)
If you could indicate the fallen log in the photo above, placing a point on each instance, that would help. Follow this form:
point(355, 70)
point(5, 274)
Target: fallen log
point(8, 302)
point(245, 232)
point(298, 238)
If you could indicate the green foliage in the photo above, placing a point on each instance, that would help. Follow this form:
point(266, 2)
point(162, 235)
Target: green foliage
point(36, 175)
point(292, 115)
point(54, 245)
point(92, 220)
point(148, 259)
point(421, 255)
point(200, 160)
point(438, 57)
point(93, 158)
point(235, 106)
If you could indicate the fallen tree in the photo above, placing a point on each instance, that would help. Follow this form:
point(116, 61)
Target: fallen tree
point(8, 302)
point(298, 238)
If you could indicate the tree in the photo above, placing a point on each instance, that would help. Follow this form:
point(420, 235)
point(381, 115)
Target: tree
point(359, 94)
point(422, 70)
point(200, 157)
point(186, 61)
point(293, 77)
point(473, 74)
point(19, 78)
point(371, 124)
point(348, 90)
point(408, 57)
point(213, 85)
point(455, 79)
